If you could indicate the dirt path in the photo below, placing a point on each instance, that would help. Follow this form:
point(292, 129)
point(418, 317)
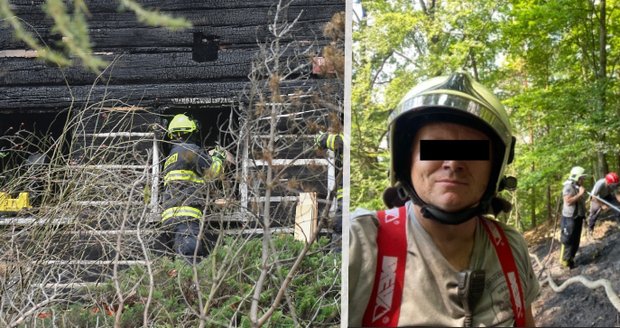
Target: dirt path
point(598, 258)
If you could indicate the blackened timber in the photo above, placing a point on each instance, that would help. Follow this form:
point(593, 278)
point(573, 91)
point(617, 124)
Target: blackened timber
point(141, 95)
point(20, 6)
point(219, 17)
point(131, 68)
point(132, 38)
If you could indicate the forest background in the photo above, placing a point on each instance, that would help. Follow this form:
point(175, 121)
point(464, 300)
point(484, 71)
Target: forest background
point(554, 65)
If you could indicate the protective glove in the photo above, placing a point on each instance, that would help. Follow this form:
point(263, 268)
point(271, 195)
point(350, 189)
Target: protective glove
point(218, 153)
point(320, 139)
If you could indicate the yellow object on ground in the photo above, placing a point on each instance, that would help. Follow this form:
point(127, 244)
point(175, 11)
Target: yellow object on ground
point(8, 204)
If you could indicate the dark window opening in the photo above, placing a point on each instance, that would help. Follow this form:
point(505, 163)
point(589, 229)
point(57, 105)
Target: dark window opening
point(24, 134)
point(29, 142)
point(205, 47)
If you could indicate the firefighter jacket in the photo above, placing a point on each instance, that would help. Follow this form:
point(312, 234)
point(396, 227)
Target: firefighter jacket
point(330, 141)
point(430, 293)
point(335, 143)
point(184, 186)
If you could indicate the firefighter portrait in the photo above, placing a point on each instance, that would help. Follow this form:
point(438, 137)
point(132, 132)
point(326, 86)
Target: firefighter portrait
point(186, 173)
point(442, 259)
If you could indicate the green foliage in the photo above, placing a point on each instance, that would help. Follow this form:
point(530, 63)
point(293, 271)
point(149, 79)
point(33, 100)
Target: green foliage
point(177, 297)
point(548, 61)
point(73, 27)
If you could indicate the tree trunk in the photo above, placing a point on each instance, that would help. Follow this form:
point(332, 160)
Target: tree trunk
point(549, 204)
point(602, 166)
point(601, 79)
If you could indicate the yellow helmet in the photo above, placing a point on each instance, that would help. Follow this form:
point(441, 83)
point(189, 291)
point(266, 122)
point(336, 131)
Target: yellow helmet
point(181, 124)
point(576, 172)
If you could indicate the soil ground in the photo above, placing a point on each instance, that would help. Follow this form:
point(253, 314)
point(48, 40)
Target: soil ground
point(598, 258)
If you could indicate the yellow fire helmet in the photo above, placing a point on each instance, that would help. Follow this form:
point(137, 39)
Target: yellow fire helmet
point(181, 124)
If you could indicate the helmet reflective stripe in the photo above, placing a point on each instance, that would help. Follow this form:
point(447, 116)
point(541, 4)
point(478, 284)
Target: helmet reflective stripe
point(182, 175)
point(458, 91)
point(178, 211)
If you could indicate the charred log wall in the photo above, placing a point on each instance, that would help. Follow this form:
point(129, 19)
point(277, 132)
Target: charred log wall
point(152, 66)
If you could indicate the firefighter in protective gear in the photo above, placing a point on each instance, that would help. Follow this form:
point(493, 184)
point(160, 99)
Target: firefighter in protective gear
point(185, 170)
point(335, 143)
point(604, 188)
point(450, 143)
point(573, 213)
point(331, 141)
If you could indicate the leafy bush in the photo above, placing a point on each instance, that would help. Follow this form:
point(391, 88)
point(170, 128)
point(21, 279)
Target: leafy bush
point(177, 298)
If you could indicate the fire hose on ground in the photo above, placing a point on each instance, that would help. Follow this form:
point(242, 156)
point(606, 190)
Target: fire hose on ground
point(606, 284)
point(611, 294)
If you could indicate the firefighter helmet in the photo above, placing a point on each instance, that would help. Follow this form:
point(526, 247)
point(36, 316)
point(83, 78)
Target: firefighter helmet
point(181, 123)
point(459, 99)
point(611, 178)
point(576, 172)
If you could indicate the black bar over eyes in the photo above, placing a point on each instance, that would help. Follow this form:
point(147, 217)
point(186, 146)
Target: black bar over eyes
point(454, 150)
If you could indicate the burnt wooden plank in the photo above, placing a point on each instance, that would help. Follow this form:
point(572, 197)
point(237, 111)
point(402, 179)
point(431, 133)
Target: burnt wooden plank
point(144, 36)
point(131, 68)
point(199, 18)
point(61, 97)
point(139, 68)
point(142, 95)
point(21, 6)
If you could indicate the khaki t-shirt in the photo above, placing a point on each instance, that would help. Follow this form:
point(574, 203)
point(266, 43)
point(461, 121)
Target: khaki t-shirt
point(430, 296)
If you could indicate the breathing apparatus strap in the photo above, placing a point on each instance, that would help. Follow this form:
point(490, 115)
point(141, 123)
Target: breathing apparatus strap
point(383, 309)
point(511, 274)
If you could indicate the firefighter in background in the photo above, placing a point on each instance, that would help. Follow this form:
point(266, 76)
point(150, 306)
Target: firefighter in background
point(573, 213)
point(605, 189)
point(186, 172)
point(335, 143)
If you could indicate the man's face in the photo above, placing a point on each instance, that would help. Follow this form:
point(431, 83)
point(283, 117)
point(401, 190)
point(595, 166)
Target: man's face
point(450, 185)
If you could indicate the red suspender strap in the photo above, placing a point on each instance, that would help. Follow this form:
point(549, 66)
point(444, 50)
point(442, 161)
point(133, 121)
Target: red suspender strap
point(384, 306)
point(511, 274)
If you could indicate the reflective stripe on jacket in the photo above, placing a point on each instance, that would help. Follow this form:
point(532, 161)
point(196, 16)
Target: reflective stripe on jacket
point(178, 211)
point(332, 139)
point(182, 175)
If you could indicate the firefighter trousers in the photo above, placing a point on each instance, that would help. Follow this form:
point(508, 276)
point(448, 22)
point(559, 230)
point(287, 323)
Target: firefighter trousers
point(183, 234)
point(570, 237)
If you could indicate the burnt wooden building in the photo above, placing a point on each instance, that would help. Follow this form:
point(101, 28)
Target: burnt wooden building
point(110, 126)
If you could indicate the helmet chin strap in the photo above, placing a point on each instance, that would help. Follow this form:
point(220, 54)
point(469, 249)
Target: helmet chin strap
point(452, 218)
